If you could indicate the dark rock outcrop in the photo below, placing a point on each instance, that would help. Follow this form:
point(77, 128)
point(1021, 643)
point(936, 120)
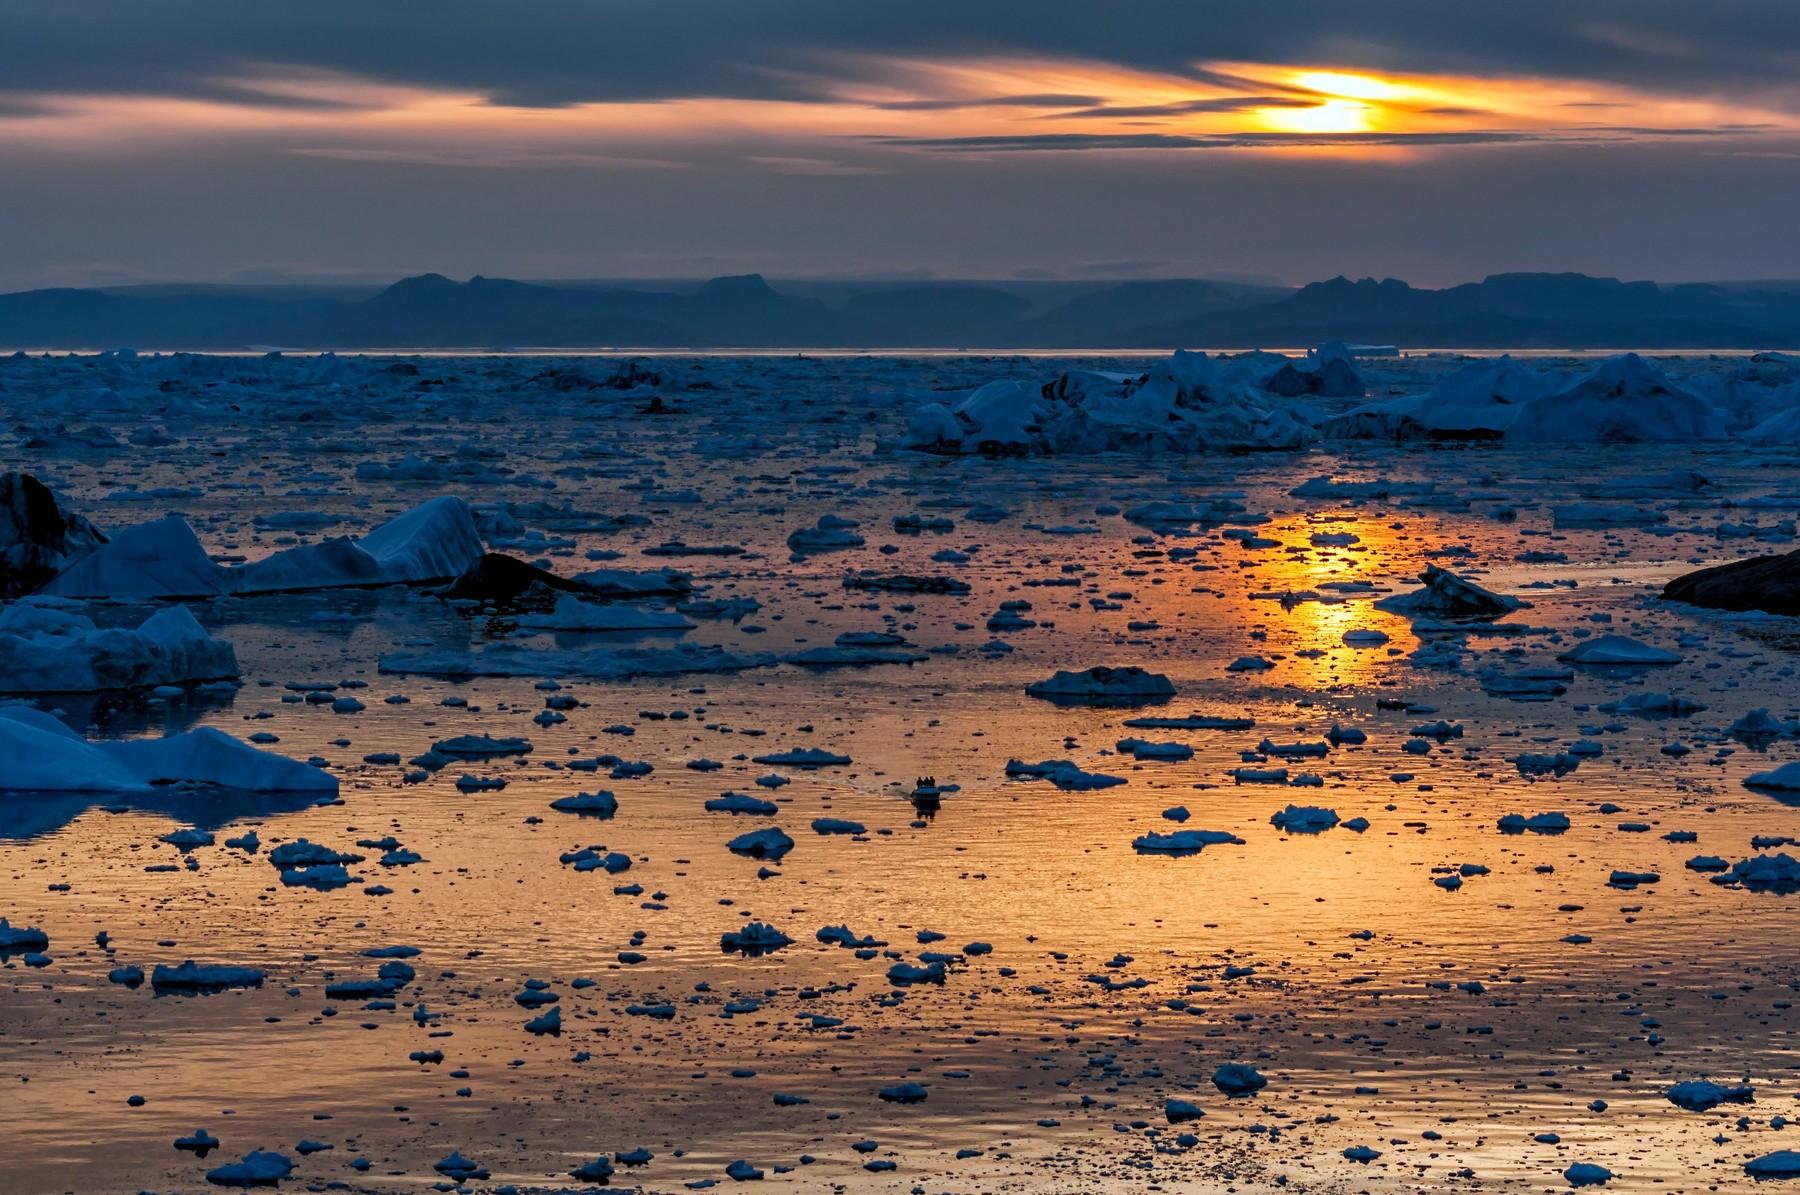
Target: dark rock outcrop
point(38, 538)
point(509, 582)
point(1767, 583)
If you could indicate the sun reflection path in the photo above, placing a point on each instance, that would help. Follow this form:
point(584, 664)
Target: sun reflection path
point(1317, 612)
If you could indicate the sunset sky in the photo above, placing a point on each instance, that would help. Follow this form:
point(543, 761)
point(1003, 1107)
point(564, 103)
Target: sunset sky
point(216, 140)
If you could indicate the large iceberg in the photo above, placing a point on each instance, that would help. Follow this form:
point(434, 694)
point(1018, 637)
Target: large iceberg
point(164, 559)
point(40, 754)
point(1477, 402)
point(1189, 403)
point(47, 647)
point(1328, 372)
point(1625, 400)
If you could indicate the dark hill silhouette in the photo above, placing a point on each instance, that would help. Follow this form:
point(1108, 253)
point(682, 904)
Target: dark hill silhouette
point(432, 311)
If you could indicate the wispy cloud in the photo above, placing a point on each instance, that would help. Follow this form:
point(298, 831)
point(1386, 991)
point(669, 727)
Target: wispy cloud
point(817, 167)
point(500, 158)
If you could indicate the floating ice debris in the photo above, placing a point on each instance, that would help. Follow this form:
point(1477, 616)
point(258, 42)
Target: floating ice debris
point(1700, 1095)
point(595, 804)
point(48, 647)
point(19, 938)
point(596, 1171)
point(1238, 1079)
point(841, 935)
point(904, 974)
point(837, 825)
point(854, 657)
point(1181, 1111)
point(460, 1168)
point(1617, 649)
point(1759, 727)
point(1304, 819)
point(305, 853)
point(1316, 750)
point(1103, 686)
point(389, 978)
point(905, 583)
point(259, 1168)
point(1191, 722)
point(829, 534)
point(1449, 596)
point(1144, 749)
point(1164, 513)
point(770, 842)
point(573, 614)
point(1537, 823)
point(803, 757)
point(754, 939)
point(596, 859)
point(1362, 1153)
point(193, 977)
point(1653, 705)
point(904, 1093)
point(1767, 873)
point(1598, 514)
point(199, 1143)
point(1182, 842)
point(741, 803)
point(1063, 773)
point(480, 746)
point(505, 659)
point(1587, 1174)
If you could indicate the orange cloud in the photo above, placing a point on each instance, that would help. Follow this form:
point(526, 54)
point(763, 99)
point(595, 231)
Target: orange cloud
point(864, 105)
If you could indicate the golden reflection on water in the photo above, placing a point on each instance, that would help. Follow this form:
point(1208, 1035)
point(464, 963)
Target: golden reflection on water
point(1033, 870)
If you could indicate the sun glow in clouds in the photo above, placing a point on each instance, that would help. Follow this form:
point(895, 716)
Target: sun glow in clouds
point(1356, 87)
point(856, 112)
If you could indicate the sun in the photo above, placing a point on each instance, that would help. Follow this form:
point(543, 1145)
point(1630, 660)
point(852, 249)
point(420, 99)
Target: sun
point(1331, 116)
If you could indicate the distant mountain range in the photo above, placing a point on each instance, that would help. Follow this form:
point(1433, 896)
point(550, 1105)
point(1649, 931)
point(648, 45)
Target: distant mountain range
point(1555, 311)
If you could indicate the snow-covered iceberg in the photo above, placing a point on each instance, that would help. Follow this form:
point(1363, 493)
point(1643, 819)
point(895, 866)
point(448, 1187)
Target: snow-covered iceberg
point(1448, 596)
point(40, 754)
point(49, 647)
point(1189, 403)
point(159, 560)
point(434, 541)
point(1625, 400)
point(1478, 402)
